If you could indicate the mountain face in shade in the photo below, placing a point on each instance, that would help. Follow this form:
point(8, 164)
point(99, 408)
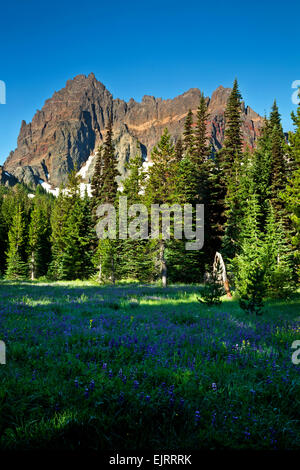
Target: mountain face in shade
point(71, 126)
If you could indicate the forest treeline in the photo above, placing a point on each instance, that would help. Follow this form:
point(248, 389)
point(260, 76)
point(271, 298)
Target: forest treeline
point(251, 200)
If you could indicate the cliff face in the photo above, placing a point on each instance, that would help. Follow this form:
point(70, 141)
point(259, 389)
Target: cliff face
point(71, 125)
point(6, 179)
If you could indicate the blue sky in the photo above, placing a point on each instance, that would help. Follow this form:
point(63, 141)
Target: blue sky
point(159, 48)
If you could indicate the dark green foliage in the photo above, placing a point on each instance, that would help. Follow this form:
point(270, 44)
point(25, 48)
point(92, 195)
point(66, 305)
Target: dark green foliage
point(252, 290)
point(278, 170)
point(279, 273)
point(97, 180)
point(188, 135)
point(161, 185)
point(72, 233)
point(3, 238)
point(104, 185)
point(250, 263)
point(232, 147)
point(104, 190)
point(201, 147)
point(179, 150)
point(275, 120)
point(16, 266)
point(213, 288)
point(291, 193)
point(39, 246)
point(136, 257)
point(229, 162)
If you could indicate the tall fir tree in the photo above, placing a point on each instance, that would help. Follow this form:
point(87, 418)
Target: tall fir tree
point(39, 248)
point(160, 187)
point(279, 268)
point(202, 149)
point(17, 268)
point(179, 150)
point(232, 147)
point(188, 134)
point(291, 193)
point(250, 262)
point(278, 171)
point(3, 235)
point(135, 255)
point(275, 120)
point(230, 163)
point(104, 190)
point(72, 233)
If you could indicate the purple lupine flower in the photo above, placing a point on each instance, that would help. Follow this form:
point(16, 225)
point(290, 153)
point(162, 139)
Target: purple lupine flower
point(214, 386)
point(92, 384)
point(136, 384)
point(86, 393)
point(76, 383)
point(147, 397)
point(197, 417)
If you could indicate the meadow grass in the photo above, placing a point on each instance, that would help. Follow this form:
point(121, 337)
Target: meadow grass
point(141, 367)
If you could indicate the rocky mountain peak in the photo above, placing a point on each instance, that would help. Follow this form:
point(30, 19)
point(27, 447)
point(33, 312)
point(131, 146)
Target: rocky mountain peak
point(71, 125)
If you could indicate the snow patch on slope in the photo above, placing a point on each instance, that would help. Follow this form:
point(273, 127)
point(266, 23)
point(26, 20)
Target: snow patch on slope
point(49, 188)
point(55, 191)
point(83, 170)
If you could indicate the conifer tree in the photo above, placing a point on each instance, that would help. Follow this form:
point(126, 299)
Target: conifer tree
point(278, 171)
point(160, 186)
point(291, 193)
point(97, 179)
point(179, 150)
point(58, 235)
point(229, 161)
point(16, 266)
point(261, 170)
point(188, 134)
point(250, 263)
point(109, 187)
point(232, 147)
point(275, 120)
point(104, 190)
point(202, 148)
point(72, 233)
point(39, 246)
point(135, 256)
point(3, 238)
point(279, 273)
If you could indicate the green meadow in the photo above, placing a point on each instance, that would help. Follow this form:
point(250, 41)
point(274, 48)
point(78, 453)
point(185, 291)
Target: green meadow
point(136, 366)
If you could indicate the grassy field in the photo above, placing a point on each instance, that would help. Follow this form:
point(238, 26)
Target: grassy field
point(141, 367)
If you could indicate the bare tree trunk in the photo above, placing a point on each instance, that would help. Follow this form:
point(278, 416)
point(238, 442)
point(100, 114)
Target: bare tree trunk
point(32, 267)
point(163, 264)
point(219, 261)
